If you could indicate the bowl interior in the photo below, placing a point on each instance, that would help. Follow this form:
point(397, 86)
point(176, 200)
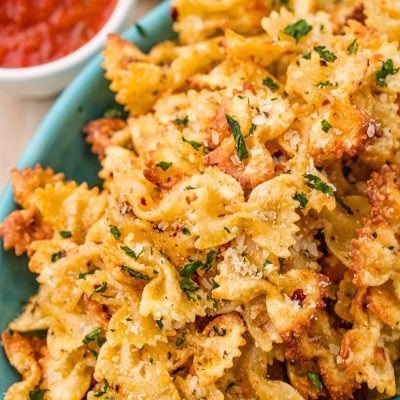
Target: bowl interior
point(59, 143)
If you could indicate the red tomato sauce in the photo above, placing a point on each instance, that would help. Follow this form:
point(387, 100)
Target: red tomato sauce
point(34, 32)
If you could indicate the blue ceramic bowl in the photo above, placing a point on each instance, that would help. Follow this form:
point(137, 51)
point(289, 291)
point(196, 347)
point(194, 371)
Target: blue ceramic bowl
point(59, 143)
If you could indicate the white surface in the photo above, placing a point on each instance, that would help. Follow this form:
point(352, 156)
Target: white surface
point(19, 118)
point(49, 79)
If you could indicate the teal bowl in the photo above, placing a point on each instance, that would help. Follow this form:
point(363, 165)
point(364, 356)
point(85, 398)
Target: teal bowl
point(59, 143)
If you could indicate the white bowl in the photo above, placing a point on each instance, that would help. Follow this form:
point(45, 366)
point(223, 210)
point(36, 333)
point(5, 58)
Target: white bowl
point(46, 80)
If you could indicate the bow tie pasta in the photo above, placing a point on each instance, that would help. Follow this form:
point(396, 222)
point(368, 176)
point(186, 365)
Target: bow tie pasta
point(245, 241)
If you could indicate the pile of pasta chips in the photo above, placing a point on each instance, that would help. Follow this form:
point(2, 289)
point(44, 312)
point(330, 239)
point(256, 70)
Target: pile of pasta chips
point(245, 242)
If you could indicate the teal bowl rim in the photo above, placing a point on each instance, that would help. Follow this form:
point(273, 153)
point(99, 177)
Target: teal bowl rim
point(36, 147)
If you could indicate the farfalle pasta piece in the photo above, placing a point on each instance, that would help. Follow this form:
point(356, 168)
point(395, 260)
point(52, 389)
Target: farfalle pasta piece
point(25, 182)
point(22, 357)
point(375, 250)
point(364, 355)
point(216, 347)
point(69, 207)
point(21, 228)
point(195, 21)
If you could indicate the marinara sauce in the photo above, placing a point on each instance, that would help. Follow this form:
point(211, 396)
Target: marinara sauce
point(34, 32)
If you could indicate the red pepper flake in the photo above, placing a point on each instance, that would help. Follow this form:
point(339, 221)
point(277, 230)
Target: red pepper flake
point(174, 14)
point(299, 295)
point(143, 201)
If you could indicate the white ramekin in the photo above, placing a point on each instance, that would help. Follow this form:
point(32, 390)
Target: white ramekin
point(48, 79)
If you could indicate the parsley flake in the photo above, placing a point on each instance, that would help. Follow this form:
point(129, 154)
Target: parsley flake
point(321, 85)
point(106, 385)
point(182, 121)
point(113, 113)
point(265, 263)
point(268, 82)
point(315, 182)
point(101, 289)
point(188, 287)
point(65, 234)
point(115, 232)
point(160, 323)
point(164, 165)
point(227, 229)
point(302, 199)
point(353, 47)
point(238, 136)
point(194, 144)
point(56, 256)
point(325, 125)
point(179, 342)
point(185, 231)
point(306, 55)
point(315, 380)
point(252, 129)
point(131, 253)
point(83, 275)
point(325, 54)
point(343, 204)
point(387, 69)
point(298, 29)
point(209, 260)
point(140, 30)
point(94, 336)
point(190, 269)
point(135, 274)
point(220, 332)
point(36, 394)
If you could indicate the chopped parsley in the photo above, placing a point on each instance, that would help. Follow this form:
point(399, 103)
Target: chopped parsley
point(115, 232)
point(306, 55)
point(188, 286)
point(113, 113)
point(131, 253)
point(65, 234)
point(252, 129)
point(103, 391)
point(194, 144)
point(238, 136)
point(315, 182)
point(101, 289)
point(325, 54)
point(344, 205)
point(160, 323)
point(298, 29)
point(220, 332)
point(227, 229)
point(164, 165)
point(302, 199)
point(135, 274)
point(265, 263)
point(140, 30)
point(268, 82)
point(387, 69)
point(215, 285)
point(321, 85)
point(209, 260)
point(182, 121)
point(353, 47)
point(179, 342)
point(56, 256)
point(83, 275)
point(94, 336)
point(315, 380)
point(325, 125)
point(36, 394)
point(185, 231)
point(190, 269)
